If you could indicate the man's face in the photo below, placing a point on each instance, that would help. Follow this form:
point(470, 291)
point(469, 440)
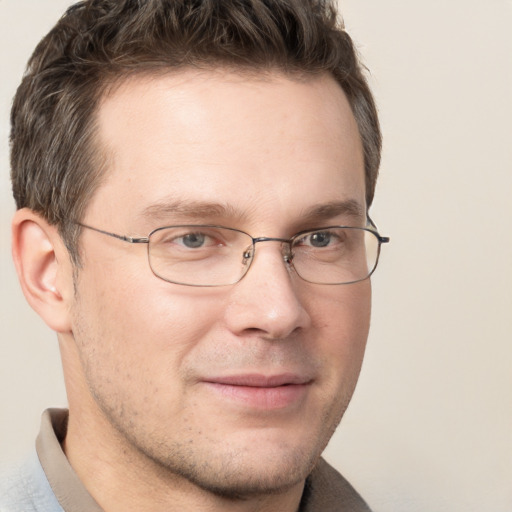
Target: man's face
point(236, 388)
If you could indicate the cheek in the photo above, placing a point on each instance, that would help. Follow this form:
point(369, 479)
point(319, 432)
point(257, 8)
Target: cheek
point(134, 343)
point(144, 324)
point(343, 320)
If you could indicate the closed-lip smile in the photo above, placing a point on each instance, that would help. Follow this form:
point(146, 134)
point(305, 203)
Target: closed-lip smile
point(260, 391)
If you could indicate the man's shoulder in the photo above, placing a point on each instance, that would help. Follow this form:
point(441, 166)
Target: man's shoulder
point(25, 488)
point(327, 491)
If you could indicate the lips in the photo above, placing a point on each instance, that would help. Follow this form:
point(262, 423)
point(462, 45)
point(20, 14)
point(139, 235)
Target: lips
point(261, 391)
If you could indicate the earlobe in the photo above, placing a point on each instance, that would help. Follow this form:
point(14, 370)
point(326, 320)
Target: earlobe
point(43, 267)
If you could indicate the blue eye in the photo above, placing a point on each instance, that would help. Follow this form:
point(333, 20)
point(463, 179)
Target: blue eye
point(320, 239)
point(193, 240)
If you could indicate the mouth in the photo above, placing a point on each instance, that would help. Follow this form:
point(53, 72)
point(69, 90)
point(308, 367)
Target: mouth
point(261, 391)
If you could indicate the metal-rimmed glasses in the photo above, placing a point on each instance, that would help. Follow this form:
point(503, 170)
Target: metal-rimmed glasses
point(210, 255)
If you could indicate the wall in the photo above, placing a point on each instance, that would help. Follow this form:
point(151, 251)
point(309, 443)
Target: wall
point(430, 426)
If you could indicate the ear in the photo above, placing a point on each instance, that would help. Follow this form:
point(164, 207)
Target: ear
point(44, 268)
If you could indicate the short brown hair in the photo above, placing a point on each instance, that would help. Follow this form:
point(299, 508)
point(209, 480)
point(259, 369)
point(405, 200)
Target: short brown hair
point(56, 165)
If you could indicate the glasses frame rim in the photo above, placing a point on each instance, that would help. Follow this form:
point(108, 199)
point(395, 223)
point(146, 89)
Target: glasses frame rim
point(370, 227)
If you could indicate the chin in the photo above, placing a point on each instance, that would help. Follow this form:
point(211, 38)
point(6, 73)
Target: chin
point(239, 477)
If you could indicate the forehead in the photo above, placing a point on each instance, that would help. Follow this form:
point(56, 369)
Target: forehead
point(269, 142)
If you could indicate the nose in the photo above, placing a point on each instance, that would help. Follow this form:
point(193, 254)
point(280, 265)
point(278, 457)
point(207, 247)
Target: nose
point(268, 301)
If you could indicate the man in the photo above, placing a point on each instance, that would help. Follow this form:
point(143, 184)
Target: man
point(193, 181)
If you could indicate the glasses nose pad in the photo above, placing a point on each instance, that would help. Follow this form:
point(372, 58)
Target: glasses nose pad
point(247, 255)
point(287, 254)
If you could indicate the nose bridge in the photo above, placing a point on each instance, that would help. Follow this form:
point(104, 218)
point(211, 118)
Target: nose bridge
point(285, 246)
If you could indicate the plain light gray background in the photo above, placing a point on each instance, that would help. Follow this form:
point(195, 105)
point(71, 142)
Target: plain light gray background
point(430, 426)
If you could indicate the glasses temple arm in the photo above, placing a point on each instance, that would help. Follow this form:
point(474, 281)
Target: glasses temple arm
point(124, 238)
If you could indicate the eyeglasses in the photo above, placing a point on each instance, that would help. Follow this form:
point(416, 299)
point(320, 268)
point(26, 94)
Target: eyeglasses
point(208, 255)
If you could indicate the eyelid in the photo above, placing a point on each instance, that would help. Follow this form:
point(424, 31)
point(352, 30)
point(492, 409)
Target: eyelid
point(315, 229)
point(214, 235)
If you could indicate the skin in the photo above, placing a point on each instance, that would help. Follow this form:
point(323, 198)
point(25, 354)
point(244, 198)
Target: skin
point(153, 424)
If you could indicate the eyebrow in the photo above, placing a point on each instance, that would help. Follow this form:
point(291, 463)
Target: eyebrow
point(189, 210)
point(332, 209)
point(199, 210)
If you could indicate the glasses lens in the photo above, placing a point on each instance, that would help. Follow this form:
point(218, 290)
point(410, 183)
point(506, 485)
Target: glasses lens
point(337, 255)
point(216, 256)
point(199, 255)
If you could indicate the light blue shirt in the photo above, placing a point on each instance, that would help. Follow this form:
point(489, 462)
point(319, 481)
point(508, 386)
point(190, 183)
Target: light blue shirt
point(26, 489)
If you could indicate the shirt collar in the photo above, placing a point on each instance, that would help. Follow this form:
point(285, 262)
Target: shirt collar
point(67, 487)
